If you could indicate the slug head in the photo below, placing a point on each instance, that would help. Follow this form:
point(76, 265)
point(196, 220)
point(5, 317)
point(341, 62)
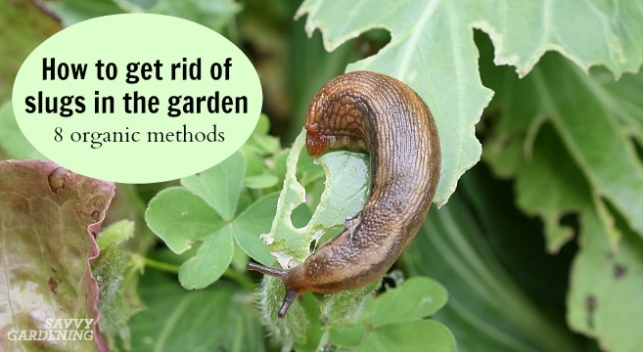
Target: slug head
point(283, 276)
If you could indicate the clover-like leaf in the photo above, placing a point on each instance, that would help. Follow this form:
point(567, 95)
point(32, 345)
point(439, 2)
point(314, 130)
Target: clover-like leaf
point(194, 215)
point(396, 320)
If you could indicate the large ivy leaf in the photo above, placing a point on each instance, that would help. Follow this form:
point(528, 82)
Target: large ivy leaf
point(432, 49)
point(49, 218)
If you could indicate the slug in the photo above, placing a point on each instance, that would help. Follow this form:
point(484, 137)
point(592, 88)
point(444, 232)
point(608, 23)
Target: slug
point(374, 112)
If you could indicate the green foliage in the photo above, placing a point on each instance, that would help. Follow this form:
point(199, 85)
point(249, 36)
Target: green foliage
point(432, 50)
point(214, 207)
point(12, 141)
point(217, 318)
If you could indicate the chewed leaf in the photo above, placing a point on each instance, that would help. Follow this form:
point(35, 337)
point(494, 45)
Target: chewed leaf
point(606, 282)
point(49, 217)
point(346, 187)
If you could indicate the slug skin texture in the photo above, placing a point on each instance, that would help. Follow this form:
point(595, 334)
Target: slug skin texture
point(379, 114)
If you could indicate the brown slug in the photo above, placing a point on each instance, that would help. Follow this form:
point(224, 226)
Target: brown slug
point(369, 111)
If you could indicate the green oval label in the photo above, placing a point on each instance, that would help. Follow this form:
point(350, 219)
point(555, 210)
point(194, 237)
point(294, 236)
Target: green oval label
point(137, 98)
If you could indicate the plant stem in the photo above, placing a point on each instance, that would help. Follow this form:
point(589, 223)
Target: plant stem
point(170, 268)
point(242, 280)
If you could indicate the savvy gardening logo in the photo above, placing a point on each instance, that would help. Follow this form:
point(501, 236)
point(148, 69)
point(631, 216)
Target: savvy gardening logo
point(57, 329)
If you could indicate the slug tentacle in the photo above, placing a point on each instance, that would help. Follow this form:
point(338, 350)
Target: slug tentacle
point(274, 272)
point(369, 111)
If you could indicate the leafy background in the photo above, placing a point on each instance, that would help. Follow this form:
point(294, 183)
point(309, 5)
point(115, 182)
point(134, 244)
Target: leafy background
point(539, 248)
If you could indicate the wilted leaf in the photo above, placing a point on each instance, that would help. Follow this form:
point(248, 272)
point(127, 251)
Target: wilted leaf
point(49, 218)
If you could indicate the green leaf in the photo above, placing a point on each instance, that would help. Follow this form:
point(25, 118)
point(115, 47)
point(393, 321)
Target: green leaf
point(549, 171)
point(179, 218)
point(606, 282)
point(582, 113)
point(432, 49)
point(220, 185)
point(116, 233)
point(417, 298)
point(217, 318)
point(487, 310)
point(261, 181)
point(572, 141)
point(12, 141)
point(74, 11)
point(379, 322)
point(420, 336)
point(210, 261)
point(251, 223)
point(23, 26)
point(215, 15)
point(212, 14)
point(260, 141)
point(346, 186)
point(115, 304)
point(49, 218)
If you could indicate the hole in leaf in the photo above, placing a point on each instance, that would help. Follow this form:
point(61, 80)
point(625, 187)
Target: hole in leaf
point(638, 148)
point(371, 42)
point(301, 215)
point(569, 220)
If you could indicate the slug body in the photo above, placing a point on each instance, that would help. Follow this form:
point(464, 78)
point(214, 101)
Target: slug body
point(369, 111)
